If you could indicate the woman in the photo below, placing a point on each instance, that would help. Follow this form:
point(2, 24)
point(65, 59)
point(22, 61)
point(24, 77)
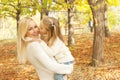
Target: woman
point(30, 48)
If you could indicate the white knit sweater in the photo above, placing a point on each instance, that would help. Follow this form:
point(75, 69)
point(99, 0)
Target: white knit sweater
point(45, 65)
point(59, 51)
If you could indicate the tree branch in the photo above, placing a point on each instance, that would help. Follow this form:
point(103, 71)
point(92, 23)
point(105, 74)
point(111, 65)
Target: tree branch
point(92, 3)
point(10, 14)
point(8, 4)
point(98, 2)
point(26, 6)
point(57, 2)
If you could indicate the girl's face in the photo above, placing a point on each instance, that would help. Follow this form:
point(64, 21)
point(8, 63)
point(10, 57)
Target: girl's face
point(43, 30)
point(32, 30)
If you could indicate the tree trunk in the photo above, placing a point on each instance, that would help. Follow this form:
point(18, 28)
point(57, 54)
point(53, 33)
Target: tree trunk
point(91, 25)
point(18, 17)
point(70, 30)
point(107, 32)
point(44, 11)
point(70, 27)
point(18, 13)
point(99, 32)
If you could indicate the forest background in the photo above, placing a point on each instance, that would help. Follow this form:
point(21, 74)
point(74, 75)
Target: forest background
point(78, 21)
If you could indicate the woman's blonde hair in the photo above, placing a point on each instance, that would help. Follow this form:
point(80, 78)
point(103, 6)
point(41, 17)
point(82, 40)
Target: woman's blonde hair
point(52, 27)
point(21, 44)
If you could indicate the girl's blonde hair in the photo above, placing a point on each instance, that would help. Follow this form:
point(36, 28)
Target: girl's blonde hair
point(21, 43)
point(52, 27)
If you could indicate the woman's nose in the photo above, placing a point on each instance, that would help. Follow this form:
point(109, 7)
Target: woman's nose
point(35, 31)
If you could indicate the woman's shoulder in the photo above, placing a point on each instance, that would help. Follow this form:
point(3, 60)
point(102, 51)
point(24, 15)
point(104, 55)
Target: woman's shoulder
point(33, 44)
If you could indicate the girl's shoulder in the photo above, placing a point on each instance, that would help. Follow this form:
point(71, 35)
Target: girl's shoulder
point(58, 42)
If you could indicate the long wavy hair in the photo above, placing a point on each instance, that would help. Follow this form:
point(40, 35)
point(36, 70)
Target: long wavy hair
point(21, 43)
point(52, 27)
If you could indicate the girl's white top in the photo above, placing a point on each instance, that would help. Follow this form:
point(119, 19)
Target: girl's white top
point(61, 52)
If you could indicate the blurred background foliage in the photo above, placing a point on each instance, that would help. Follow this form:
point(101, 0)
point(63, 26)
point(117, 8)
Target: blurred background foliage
point(12, 10)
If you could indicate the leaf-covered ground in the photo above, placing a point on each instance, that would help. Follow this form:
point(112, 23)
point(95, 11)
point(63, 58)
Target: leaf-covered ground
point(10, 69)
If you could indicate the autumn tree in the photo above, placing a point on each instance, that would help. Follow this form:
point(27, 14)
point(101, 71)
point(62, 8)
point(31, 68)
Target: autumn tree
point(107, 31)
point(16, 8)
point(98, 12)
point(68, 5)
point(110, 3)
point(45, 7)
point(70, 27)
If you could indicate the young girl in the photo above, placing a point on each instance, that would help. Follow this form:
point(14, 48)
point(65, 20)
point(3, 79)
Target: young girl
point(51, 34)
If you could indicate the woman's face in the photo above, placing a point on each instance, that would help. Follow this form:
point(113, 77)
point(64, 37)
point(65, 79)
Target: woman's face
point(32, 30)
point(43, 30)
